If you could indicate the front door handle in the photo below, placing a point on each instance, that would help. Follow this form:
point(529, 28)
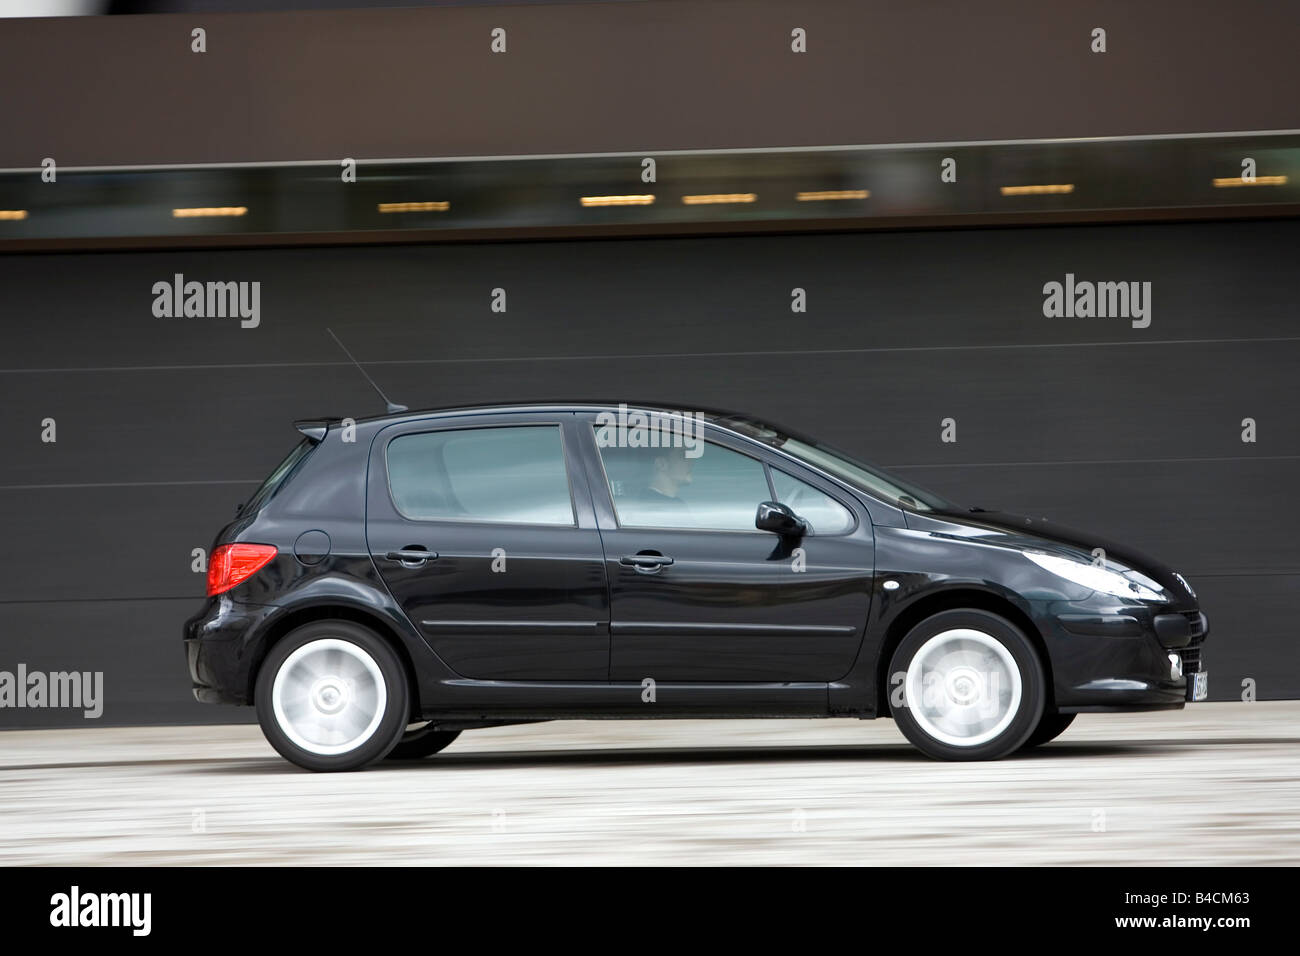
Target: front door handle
point(412, 557)
point(646, 563)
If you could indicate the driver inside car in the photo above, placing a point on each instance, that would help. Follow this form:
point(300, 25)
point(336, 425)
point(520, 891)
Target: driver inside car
point(668, 471)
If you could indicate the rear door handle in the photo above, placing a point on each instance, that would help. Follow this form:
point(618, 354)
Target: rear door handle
point(412, 557)
point(646, 563)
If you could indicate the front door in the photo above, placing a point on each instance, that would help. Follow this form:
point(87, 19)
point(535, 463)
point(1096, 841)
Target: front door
point(697, 592)
point(488, 542)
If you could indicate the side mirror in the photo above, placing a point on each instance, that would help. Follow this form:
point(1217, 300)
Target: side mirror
point(779, 519)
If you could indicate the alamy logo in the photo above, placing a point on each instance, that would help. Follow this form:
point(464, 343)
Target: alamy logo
point(1085, 300)
point(75, 908)
point(208, 300)
point(634, 429)
point(57, 689)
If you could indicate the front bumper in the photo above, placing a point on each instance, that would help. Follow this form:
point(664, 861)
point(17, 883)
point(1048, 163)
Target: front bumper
point(1118, 658)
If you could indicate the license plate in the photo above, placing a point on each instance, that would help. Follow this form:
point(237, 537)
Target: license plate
point(1198, 686)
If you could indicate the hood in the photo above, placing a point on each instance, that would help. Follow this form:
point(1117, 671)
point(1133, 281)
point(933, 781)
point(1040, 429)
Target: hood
point(1019, 531)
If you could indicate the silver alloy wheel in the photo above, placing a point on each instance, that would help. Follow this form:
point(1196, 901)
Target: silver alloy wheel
point(963, 687)
point(329, 696)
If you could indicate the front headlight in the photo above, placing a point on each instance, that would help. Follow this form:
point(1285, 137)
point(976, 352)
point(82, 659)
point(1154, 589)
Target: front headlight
point(1098, 578)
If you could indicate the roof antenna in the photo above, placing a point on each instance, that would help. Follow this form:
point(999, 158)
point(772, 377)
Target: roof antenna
point(392, 406)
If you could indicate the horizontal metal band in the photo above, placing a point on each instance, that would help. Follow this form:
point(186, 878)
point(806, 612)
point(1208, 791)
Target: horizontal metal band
point(753, 630)
point(515, 625)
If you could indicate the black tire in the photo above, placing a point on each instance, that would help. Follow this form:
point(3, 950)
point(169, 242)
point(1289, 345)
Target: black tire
point(1012, 728)
point(1049, 728)
point(388, 719)
point(422, 742)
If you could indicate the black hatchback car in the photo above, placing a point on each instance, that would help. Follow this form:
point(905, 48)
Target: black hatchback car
point(400, 579)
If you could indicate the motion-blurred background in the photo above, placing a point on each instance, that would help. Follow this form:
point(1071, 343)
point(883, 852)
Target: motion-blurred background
point(523, 170)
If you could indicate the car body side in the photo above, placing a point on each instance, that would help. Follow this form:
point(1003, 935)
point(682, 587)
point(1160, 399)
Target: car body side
point(1101, 652)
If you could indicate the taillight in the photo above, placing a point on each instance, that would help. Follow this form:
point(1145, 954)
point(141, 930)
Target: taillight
point(233, 563)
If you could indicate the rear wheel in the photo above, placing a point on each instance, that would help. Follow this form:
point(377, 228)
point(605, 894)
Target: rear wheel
point(1049, 728)
point(973, 686)
point(421, 740)
point(332, 695)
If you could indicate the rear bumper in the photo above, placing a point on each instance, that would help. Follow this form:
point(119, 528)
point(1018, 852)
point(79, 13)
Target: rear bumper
point(1119, 658)
point(218, 650)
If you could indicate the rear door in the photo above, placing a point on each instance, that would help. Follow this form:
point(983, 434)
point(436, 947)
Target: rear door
point(482, 528)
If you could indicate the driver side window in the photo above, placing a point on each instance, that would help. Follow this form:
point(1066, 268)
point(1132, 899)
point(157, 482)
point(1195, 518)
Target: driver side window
point(705, 488)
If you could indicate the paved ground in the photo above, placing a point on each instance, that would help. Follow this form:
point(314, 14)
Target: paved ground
point(1216, 783)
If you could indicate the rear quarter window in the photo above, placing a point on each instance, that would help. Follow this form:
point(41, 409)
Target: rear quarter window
point(279, 476)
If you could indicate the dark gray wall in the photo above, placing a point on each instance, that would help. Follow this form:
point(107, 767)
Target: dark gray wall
point(664, 74)
point(164, 424)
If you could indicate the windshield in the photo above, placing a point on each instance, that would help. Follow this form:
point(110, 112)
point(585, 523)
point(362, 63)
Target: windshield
point(260, 497)
point(859, 475)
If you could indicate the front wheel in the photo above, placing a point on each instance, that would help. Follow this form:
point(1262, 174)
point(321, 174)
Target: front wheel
point(332, 695)
point(973, 686)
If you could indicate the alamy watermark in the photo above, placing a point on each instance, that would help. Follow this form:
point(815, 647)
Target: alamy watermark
point(651, 429)
point(77, 909)
point(78, 690)
point(1086, 299)
point(208, 300)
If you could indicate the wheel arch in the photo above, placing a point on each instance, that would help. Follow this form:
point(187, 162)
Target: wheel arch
point(287, 623)
point(952, 599)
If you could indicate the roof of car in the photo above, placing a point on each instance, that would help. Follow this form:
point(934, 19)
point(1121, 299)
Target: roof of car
point(577, 406)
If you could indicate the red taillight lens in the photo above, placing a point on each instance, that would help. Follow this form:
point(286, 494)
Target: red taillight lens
point(232, 563)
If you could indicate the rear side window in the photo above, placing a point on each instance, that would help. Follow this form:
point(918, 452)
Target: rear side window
point(513, 474)
point(278, 476)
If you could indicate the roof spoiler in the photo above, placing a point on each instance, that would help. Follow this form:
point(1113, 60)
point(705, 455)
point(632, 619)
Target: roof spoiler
point(315, 428)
